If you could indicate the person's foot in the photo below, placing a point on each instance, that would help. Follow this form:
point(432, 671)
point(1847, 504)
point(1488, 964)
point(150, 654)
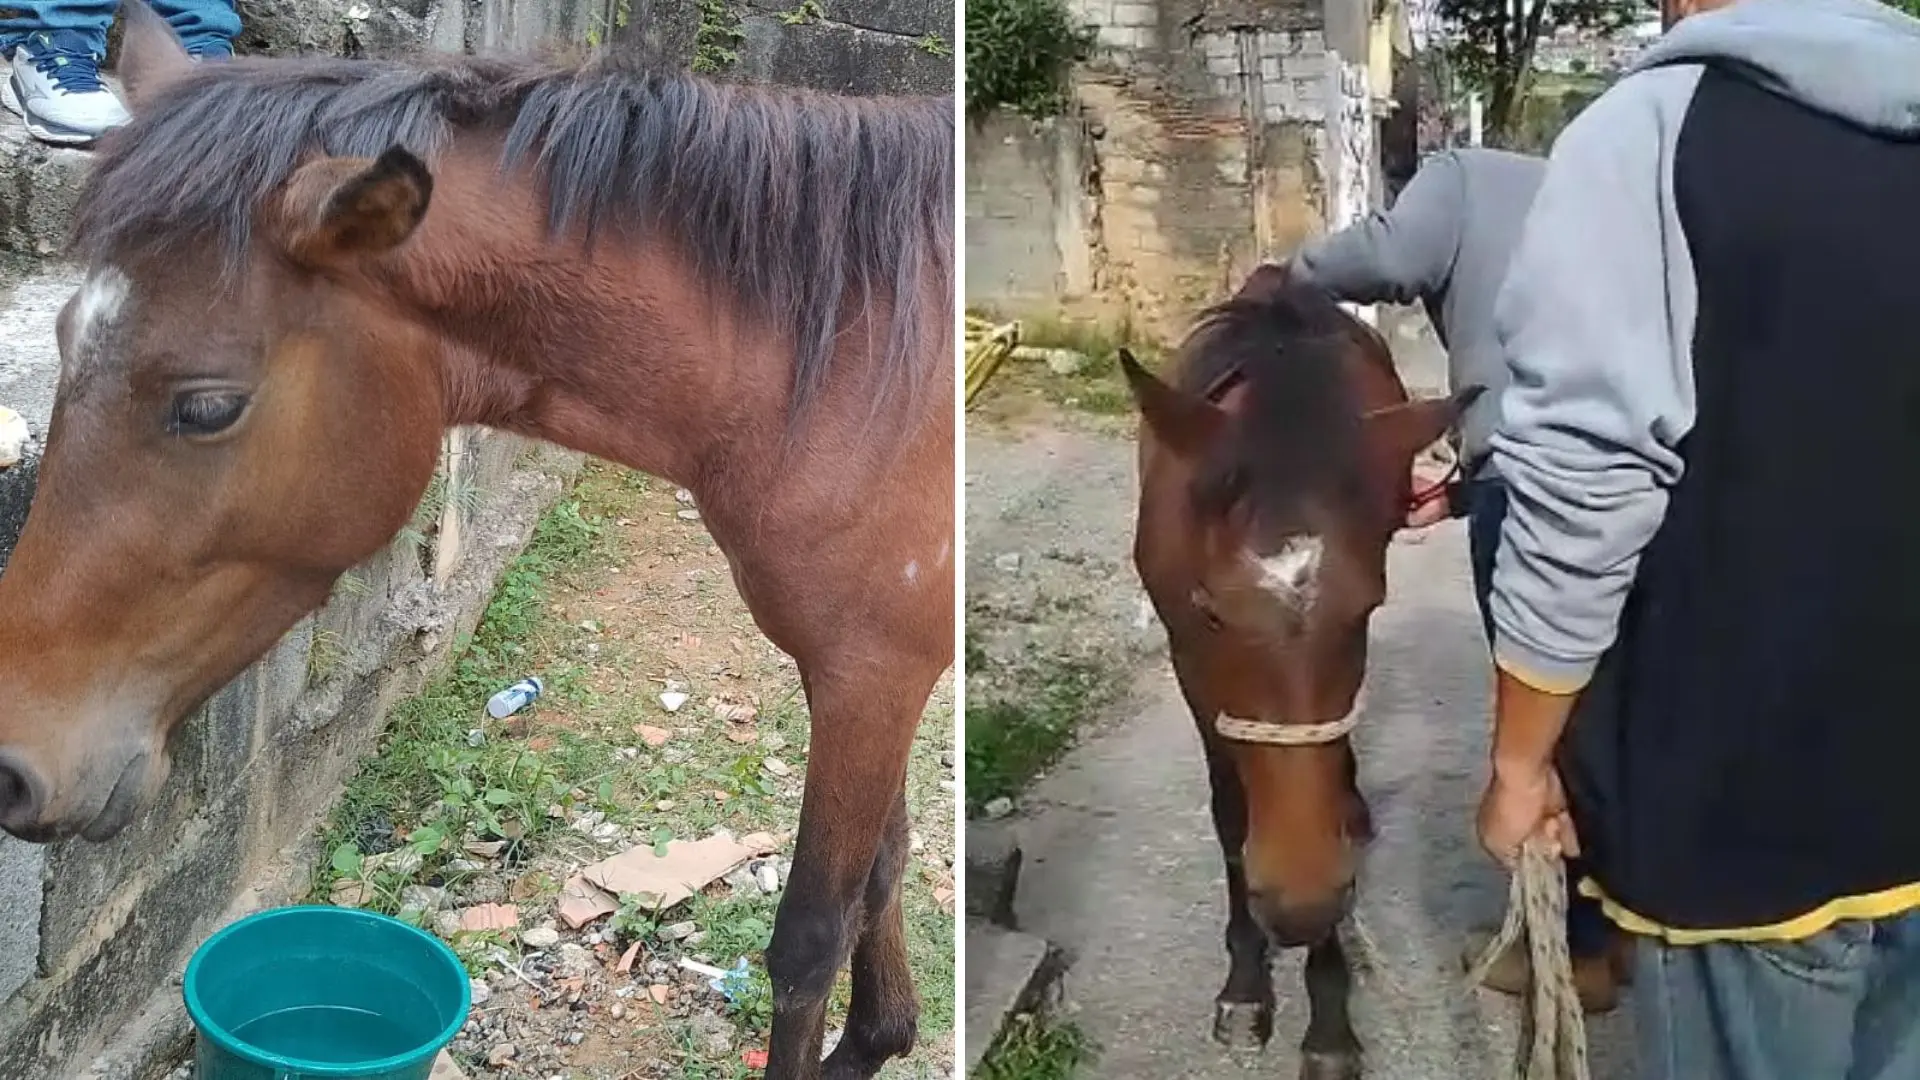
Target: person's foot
point(55, 86)
point(1512, 974)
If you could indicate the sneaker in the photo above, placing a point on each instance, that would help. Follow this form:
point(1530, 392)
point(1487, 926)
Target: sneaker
point(55, 86)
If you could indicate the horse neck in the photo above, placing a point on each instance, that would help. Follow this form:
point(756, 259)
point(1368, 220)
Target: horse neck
point(618, 351)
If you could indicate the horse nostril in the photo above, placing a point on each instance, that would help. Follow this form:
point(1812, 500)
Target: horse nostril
point(22, 793)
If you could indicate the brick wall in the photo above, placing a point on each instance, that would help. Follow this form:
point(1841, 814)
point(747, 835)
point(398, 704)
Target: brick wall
point(1209, 135)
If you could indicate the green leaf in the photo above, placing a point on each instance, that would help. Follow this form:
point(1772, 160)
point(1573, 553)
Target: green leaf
point(347, 860)
point(500, 796)
point(427, 840)
point(661, 837)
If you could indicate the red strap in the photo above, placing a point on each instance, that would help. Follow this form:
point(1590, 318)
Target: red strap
point(1437, 491)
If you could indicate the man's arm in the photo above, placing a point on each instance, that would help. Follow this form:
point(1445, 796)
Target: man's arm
point(1401, 255)
point(1596, 319)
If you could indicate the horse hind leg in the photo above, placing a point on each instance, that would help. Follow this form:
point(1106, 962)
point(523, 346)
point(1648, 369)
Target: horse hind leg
point(1330, 1051)
point(883, 1018)
point(862, 734)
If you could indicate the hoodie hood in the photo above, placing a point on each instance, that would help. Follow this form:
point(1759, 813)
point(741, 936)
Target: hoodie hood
point(1858, 60)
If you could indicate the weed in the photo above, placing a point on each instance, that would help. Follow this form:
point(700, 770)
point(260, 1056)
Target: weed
point(325, 656)
point(1009, 742)
point(1031, 1049)
point(933, 44)
point(809, 11)
point(716, 37)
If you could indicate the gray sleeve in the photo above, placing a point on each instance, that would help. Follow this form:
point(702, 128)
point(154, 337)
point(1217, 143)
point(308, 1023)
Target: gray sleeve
point(1596, 320)
point(1400, 255)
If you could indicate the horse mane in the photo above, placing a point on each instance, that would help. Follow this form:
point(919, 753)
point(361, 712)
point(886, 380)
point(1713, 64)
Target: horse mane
point(810, 210)
point(1297, 442)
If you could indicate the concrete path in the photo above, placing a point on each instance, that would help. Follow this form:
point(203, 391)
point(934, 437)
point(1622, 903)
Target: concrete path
point(1122, 865)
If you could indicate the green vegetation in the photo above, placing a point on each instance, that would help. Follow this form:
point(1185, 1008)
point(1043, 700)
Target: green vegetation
point(453, 800)
point(934, 44)
point(1032, 1049)
point(716, 38)
point(1019, 55)
point(809, 11)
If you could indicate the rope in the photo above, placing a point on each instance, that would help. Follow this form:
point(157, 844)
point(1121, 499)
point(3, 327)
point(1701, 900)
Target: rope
point(1277, 733)
point(1553, 1029)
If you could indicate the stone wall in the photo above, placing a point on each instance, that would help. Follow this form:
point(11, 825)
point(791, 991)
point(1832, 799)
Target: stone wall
point(1205, 136)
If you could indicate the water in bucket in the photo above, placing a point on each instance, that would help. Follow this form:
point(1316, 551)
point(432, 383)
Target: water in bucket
point(313, 992)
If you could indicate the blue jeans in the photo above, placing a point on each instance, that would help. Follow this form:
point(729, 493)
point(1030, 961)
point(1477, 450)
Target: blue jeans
point(200, 23)
point(1841, 1005)
point(1587, 927)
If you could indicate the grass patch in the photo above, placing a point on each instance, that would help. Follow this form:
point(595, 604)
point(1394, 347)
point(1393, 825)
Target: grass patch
point(1031, 1049)
point(1010, 740)
point(614, 595)
point(1098, 386)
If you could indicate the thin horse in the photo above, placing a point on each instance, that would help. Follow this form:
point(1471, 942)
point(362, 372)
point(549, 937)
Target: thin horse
point(301, 272)
point(1274, 470)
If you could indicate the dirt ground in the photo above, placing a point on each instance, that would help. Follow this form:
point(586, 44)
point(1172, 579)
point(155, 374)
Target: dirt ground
point(1122, 866)
point(667, 717)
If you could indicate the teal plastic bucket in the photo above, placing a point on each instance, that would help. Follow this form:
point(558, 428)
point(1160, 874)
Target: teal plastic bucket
point(302, 993)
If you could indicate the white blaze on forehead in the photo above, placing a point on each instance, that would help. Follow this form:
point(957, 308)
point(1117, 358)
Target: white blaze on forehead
point(102, 298)
point(1293, 573)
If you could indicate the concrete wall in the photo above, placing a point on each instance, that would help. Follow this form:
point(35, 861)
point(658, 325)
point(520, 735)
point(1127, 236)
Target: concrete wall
point(1206, 135)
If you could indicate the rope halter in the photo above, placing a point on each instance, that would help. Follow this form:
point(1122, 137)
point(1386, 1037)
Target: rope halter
point(1269, 733)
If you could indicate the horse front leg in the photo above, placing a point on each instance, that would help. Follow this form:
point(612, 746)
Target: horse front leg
point(1243, 1011)
point(1330, 1051)
point(852, 835)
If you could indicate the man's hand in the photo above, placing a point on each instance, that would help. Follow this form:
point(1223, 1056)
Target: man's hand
point(1518, 808)
point(1427, 477)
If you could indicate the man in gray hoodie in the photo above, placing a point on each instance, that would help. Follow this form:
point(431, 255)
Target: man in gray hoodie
point(1446, 243)
point(1706, 596)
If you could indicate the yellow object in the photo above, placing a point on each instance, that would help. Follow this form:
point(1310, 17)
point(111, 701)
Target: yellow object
point(988, 347)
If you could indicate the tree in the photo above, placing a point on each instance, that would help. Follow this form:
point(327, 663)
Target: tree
point(1492, 42)
point(1911, 7)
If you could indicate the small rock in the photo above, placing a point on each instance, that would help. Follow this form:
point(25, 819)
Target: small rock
point(672, 700)
point(540, 937)
point(482, 993)
point(773, 741)
point(777, 767)
point(423, 898)
point(476, 738)
point(688, 515)
point(676, 931)
point(915, 842)
point(1008, 562)
point(608, 830)
point(575, 960)
point(576, 1038)
point(696, 937)
point(618, 1011)
point(502, 1054)
point(464, 866)
point(742, 880)
point(684, 497)
point(946, 758)
point(446, 923)
point(998, 808)
point(663, 805)
point(768, 877)
point(714, 1033)
point(627, 753)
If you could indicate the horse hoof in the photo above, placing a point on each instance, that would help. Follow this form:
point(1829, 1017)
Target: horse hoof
point(1242, 1025)
point(1322, 1065)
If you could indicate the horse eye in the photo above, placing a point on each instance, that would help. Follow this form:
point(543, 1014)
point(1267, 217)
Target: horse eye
point(206, 412)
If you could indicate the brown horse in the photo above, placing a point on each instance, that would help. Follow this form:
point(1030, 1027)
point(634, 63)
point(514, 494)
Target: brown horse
point(301, 272)
point(1274, 470)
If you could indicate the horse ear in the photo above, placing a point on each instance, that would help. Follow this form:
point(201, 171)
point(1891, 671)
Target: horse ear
point(151, 55)
point(340, 208)
point(1267, 281)
point(1182, 421)
point(1405, 430)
